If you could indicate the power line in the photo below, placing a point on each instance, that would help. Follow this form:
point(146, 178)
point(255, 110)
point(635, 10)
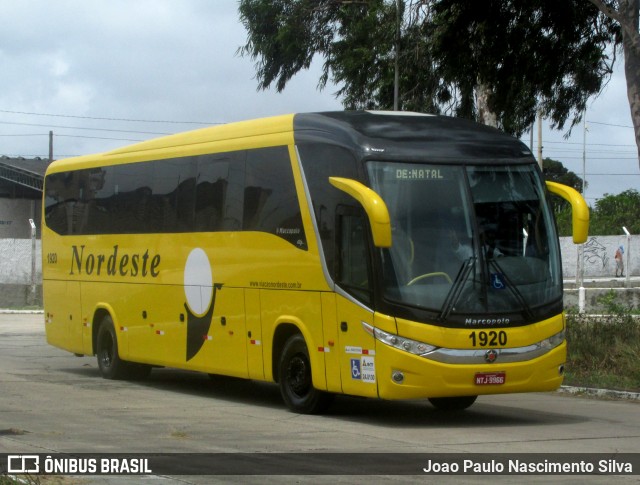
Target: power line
point(26, 134)
point(601, 150)
point(620, 174)
point(581, 144)
point(608, 124)
point(598, 158)
point(97, 137)
point(73, 136)
point(44, 157)
point(83, 128)
point(99, 118)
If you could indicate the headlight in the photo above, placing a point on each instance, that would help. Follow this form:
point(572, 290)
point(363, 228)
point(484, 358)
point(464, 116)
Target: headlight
point(401, 343)
point(553, 341)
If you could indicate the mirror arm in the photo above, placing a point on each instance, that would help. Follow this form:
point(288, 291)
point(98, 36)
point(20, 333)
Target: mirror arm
point(373, 205)
point(579, 210)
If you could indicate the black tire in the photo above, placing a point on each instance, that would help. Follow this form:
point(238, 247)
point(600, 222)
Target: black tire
point(296, 386)
point(452, 403)
point(109, 362)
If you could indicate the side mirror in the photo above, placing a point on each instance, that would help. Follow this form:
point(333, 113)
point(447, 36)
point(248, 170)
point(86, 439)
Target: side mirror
point(373, 205)
point(579, 210)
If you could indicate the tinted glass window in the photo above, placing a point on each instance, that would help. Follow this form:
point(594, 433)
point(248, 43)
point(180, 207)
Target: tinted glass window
point(218, 196)
point(353, 272)
point(270, 197)
point(469, 241)
point(321, 161)
point(244, 190)
point(211, 189)
point(173, 195)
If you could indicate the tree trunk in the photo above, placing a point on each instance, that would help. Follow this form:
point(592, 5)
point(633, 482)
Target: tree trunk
point(631, 44)
point(485, 115)
point(627, 16)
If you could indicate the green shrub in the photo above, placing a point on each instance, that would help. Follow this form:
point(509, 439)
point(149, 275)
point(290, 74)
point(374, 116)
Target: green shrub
point(603, 350)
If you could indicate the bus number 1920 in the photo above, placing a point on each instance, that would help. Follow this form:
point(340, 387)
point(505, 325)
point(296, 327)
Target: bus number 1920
point(488, 339)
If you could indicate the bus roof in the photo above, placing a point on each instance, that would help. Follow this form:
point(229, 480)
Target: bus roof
point(410, 136)
point(402, 135)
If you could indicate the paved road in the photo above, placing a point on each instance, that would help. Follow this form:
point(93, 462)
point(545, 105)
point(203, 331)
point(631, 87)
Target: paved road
point(54, 402)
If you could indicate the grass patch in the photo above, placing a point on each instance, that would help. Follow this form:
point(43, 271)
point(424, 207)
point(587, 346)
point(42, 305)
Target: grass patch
point(8, 480)
point(603, 351)
point(39, 480)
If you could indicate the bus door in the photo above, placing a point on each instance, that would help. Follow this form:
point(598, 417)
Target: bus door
point(356, 347)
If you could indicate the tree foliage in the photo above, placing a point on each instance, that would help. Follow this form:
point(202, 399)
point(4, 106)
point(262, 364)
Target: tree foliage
point(555, 171)
point(609, 215)
point(540, 54)
point(612, 212)
point(547, 55)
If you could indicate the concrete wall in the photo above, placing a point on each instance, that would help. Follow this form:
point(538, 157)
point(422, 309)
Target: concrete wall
point(16, 257)
point(15, 215)
point(17, 290)
point(16, 286)
point(598, 256)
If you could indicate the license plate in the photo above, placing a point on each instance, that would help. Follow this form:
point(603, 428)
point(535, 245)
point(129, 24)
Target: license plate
point(490, 378)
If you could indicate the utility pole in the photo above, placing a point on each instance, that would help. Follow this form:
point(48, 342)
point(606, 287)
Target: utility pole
point(50, 146)
point(584, 156)
point(396, 78)
point(580, 258)
point(531, 138)
point(540, 138)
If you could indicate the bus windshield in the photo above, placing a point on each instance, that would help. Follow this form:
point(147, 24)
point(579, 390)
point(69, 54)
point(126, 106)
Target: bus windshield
point(467, 240)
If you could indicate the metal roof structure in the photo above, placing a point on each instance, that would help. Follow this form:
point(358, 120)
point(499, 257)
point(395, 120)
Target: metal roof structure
point(24, 171)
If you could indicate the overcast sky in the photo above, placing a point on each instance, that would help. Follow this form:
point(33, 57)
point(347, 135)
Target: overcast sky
point(94, 63)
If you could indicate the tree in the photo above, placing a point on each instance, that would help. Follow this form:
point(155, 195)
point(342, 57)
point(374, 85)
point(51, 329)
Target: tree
point(612, 212)
point(520, 57)
point(625, 13)
point(540, 55)
point(555, 171)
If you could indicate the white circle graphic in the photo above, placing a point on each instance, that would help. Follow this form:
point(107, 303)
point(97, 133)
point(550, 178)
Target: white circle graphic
point(198, 281)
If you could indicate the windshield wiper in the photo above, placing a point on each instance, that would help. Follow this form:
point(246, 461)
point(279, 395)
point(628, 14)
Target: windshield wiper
point(456, 289)
point(526, 310)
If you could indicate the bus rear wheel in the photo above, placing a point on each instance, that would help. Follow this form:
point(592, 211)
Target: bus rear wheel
point(452, 403)
point(109, 362)
point(296, 385)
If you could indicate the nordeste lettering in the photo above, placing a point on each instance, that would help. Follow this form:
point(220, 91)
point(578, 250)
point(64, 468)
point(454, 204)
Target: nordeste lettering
point(113, 264)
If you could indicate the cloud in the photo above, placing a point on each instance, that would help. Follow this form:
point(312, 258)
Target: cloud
point(177, 61)
point(155, 60)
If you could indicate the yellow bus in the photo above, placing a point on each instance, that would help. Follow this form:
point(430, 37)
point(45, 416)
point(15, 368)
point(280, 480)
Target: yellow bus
point(376, 254)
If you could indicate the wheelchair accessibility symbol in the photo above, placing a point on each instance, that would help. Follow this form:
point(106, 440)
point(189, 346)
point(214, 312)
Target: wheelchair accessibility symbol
point(497, 281)
point(355, 369)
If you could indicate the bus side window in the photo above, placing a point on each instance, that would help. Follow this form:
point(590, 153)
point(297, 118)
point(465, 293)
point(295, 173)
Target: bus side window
point(270, 198)
point(353, 272)
point(213, 191)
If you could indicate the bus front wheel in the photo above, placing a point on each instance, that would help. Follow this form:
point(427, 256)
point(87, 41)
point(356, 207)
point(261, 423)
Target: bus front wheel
point(295, 381)
point(452, 403)
point(109, 362)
